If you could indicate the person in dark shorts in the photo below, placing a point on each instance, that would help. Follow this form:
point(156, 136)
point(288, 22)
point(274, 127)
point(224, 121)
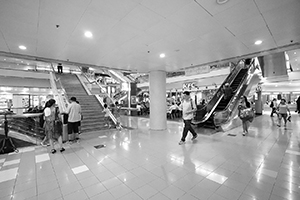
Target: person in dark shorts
point(74, 117)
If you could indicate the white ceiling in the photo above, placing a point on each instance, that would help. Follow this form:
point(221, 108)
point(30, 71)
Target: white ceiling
point(130, 34)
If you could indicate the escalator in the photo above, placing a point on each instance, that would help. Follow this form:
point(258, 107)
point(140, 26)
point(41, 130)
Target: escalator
point(224, 103)
point(24, 130)
point(205, 115)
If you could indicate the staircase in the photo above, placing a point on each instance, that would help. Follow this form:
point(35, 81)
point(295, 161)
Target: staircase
point(93, 118)
point(223, 103)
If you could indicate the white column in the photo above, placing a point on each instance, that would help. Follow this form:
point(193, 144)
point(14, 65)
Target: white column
point(17, 103)
point(158, 106)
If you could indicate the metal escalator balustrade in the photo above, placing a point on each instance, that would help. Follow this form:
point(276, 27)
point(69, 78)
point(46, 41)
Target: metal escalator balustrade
point(225, 115)
point(224, 102)
point(204, 113)
point(26, 128)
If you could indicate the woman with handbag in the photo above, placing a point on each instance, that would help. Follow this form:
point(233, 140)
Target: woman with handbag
point(283, 109)
point(246, 114)
point(51, 120)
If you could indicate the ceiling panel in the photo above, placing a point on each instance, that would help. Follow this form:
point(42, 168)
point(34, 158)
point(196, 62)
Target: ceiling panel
point(17, 28)
point(213, 8)
point(266, 5)
point(16, 11)
point(67, 8)
point(194, 19)
point(237, 13)
point(166, 7)
point(3, 45)
point(142, 18)
point(113, 8)
point(250, 24)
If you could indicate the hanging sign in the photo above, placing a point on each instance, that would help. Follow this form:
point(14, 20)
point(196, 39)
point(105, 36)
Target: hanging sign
point(197, 70)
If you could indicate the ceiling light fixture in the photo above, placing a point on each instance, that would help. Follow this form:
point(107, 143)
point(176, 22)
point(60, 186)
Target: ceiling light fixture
point(88, 34)
point(295, 53)
point(162, 55)
point(220, 2)
point(258, 42)
point(22, 47)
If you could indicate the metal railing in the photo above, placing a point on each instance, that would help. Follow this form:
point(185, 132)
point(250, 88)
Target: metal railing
point(224, 116)
point(213, 103)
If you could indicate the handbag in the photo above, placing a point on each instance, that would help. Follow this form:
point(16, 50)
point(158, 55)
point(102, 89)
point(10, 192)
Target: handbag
point(247, 114)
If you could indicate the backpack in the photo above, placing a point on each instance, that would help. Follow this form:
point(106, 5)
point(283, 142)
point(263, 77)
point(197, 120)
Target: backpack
point(272, 104)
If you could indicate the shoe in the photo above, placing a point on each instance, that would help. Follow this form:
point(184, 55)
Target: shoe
point(244, 134)
point(181, 142)
point(53, 151)
point(194, 137)
point(62, 150)
point(278, 125)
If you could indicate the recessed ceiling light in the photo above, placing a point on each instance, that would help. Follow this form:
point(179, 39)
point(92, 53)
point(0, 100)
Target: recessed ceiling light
point(222, 1)
point(162, 55)
point(88, 34)
point(295, 59)
point(258, 42)
point(295, 53)
point(22, 47)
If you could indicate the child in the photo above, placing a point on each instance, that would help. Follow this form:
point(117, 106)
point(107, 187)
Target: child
point(117, 115)
point(106, 115)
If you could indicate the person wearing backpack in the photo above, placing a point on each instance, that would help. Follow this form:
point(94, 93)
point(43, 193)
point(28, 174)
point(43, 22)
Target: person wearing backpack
point(273, 106)
point(188, 108)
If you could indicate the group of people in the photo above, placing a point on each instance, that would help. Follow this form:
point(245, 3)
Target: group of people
point(188, 107)
point(281, 110)
point(53, 123)
point(115, 109)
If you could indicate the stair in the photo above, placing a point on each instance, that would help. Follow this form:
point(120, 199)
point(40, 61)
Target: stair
point(93, 118)
point(223, 103)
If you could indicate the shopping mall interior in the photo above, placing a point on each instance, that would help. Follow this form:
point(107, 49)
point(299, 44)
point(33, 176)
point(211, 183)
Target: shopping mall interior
point(144, 54)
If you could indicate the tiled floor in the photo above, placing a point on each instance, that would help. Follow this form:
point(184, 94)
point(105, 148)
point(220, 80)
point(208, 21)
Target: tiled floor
point(143, 164)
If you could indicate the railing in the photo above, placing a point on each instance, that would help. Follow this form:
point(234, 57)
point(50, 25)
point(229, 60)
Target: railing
point(213, 103)
point(62, 100)
point(101, 97)
point(224, 116)
point(29, 126)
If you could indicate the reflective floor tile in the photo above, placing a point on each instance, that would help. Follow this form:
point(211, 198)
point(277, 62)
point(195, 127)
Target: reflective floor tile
point(217, 178)
point(297, 153)
point(80, 169)
point(78, 195)
point(42, 158)
point(11, 162)
point(146, 191)
point(9, 174)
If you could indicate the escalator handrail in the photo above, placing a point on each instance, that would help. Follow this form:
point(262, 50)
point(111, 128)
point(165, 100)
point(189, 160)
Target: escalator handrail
point(219, 94)
point(234, 101)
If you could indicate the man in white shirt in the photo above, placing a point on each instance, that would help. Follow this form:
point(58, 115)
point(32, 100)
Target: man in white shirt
point(188, 108)
point(74, 117)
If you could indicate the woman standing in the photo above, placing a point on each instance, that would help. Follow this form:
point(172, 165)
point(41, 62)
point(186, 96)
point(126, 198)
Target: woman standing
point(49, 113)
point(283, 109)
point(244, 114)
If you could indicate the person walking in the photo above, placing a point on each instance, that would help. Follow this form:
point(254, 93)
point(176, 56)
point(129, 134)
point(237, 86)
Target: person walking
point(283, 109)
point(106, 115)
point(245, 114)
point(273, 106)
point(298, 105)
point(188, 108)
point(49, 113)
point(74, 117)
